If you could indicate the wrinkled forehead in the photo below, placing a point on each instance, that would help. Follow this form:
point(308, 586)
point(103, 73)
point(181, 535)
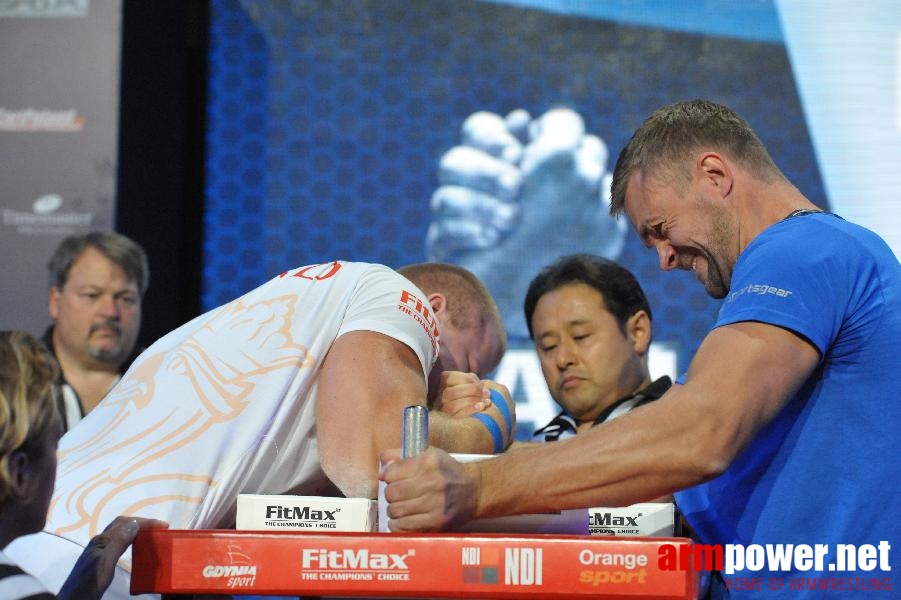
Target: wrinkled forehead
point(94, 266)
point(91, 260)
point(638, 203)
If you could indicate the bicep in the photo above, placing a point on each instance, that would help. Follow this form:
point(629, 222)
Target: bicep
point(744, 374)
point(367, 379)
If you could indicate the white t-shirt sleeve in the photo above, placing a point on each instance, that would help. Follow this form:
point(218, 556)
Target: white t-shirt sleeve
point(386, 302)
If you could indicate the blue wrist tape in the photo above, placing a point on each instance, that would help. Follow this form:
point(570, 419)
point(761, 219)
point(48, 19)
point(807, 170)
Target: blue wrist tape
point(501, 405)
point(494, 429)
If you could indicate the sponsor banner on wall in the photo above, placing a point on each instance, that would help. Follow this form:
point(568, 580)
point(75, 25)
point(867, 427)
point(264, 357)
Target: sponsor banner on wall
point(59, 113)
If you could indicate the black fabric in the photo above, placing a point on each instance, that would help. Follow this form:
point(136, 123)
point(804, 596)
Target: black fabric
point(13, 570)
point(9, 571)
point(61, 381)
point(802, 212)
point(563, 422)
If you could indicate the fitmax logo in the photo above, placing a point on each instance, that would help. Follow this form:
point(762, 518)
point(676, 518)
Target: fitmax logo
point(319, 558)
point(300, 513)
point(607, 519)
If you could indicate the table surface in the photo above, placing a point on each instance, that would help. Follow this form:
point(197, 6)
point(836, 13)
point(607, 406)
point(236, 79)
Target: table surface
point(389, 565)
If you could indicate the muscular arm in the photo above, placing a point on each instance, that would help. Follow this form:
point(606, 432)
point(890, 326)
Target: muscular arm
point(367, 379)
point(742, 375)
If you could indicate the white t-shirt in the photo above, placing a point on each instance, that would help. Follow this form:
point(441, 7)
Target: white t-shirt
point(16, 584)
point(224, 404)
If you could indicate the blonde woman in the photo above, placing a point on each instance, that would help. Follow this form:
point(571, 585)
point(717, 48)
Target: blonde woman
point(30, 427)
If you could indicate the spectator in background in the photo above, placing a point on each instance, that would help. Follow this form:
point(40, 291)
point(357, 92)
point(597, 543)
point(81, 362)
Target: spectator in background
point(29, 429)
point(591, 325)
point(97, 281)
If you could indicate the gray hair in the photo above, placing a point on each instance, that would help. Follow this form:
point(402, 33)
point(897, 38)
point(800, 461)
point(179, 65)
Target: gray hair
point(122, 250)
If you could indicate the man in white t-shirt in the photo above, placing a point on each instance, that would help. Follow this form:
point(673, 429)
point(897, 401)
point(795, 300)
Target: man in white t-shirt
point(295, 387)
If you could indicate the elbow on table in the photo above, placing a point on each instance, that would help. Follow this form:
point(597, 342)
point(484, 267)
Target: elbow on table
point(351, 478)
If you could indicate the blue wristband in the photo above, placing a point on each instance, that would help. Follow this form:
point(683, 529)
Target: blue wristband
point(498, 400)
point(494, 429)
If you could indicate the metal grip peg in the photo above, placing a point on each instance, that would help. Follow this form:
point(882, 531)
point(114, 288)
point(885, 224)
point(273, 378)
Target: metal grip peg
point(416, 430)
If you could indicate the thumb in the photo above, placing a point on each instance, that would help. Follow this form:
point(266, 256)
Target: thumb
point(387, 458)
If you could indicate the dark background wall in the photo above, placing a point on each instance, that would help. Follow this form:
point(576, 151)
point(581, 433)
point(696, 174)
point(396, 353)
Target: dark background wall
point(161, 145)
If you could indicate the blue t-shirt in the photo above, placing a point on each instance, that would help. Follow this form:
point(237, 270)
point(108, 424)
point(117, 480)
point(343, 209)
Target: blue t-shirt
point(827, 469)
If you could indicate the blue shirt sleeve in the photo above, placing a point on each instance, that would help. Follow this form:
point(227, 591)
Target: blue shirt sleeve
point(788, 278)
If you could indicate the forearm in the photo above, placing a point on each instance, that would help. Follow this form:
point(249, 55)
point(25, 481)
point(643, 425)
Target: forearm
point(690, 435)
point(487, 431)
point(518, 445)
point(459, 435)
point(643, 455)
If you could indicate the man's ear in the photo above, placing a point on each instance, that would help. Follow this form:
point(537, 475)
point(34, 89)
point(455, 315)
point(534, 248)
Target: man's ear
point(715, 170)
point(638, 328)
point(438, 303)
point(53, 302)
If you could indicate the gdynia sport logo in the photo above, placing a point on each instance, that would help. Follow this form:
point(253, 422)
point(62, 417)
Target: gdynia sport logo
point(807, 566)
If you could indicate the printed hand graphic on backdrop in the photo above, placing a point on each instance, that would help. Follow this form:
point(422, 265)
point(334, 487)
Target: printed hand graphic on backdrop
point(518, 193)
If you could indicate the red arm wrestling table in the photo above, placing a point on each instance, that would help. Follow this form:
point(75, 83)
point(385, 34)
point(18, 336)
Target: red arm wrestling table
point(388, 565)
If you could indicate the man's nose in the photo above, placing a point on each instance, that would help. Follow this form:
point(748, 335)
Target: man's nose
point(565, 355)
point(109, 306)
point(667, 255)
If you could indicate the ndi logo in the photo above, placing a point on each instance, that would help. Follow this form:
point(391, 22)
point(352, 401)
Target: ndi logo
point(481, 565)
point(523, 566)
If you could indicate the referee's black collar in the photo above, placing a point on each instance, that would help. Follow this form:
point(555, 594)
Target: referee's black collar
point(564, 422)
point(652, 391)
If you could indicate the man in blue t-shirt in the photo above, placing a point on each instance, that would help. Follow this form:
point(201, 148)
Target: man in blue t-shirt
point(784, 435)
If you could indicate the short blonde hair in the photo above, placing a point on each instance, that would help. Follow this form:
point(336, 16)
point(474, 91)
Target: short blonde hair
point(468, 300)
point(27, 406)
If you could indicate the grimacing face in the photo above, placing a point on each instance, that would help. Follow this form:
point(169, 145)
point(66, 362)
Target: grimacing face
point(97, 313)
point(588, 361)
point(687, 229)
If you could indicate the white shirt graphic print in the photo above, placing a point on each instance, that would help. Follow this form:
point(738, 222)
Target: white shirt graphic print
point(223, 405)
